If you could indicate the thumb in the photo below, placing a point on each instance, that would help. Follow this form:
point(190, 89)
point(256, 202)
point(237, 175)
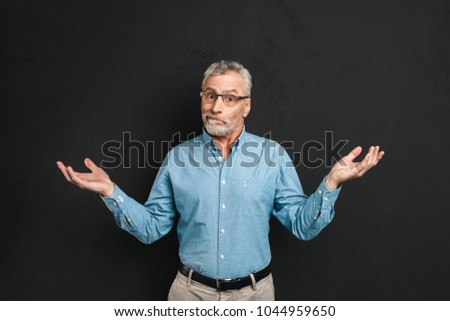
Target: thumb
point(354, 153)
point(90, 164)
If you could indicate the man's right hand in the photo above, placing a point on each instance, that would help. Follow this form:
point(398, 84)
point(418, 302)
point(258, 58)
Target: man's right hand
point(97, 181)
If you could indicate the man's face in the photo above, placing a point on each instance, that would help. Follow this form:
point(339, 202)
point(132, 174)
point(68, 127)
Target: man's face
point(219, 119)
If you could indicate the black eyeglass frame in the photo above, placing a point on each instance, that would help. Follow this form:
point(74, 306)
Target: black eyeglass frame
point(223, 95)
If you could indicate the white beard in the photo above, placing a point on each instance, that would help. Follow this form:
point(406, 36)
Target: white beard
point(216, 130)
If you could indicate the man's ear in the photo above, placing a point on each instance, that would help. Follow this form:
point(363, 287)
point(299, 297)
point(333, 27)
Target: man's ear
point(247, 107)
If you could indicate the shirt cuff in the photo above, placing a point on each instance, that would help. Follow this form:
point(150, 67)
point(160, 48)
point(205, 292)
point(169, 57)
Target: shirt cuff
point(328, 195)
point(114, 201)
point(326, 199)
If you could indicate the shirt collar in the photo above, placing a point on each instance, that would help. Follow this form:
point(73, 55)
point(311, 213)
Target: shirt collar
point(208, 139)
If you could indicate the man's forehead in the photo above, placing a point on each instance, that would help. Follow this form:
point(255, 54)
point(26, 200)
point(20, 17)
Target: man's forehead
point(230, 81)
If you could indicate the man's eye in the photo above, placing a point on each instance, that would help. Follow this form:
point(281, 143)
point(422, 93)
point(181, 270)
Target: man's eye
point(210, 96)
point(231, 98)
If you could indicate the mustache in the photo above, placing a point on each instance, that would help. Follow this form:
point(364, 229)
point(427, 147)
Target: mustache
point(214, 117)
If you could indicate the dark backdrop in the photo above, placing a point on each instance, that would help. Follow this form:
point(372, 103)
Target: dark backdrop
point(76, 74)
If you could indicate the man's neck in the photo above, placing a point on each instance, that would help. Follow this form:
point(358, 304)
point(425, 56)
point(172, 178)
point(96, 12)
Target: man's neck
point(225, 143)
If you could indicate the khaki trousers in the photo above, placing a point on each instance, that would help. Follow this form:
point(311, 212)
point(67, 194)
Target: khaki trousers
point(184, 289)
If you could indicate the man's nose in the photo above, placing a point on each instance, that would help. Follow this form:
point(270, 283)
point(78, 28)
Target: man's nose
point(218, 105)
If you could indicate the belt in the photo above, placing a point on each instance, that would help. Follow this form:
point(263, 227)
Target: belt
point(224, 284)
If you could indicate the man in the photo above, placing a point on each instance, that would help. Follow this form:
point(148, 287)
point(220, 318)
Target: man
point(224, 185)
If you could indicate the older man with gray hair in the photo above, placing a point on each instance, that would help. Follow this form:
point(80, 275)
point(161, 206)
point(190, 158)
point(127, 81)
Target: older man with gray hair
point(224, 185)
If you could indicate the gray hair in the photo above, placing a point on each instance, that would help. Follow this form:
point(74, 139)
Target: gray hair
point(223, 66)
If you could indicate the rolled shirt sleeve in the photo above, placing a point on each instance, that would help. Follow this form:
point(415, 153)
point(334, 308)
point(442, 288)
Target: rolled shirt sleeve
point(304, 216)
point(150, 221)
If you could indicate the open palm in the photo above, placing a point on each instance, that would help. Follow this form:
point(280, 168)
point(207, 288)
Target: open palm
point(346, 169)
point(97, 181)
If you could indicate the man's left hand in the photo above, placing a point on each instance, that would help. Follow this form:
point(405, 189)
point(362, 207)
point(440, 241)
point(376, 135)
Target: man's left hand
point(345, 169)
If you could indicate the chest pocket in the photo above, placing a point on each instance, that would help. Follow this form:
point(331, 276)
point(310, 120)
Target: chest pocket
point(257, 197)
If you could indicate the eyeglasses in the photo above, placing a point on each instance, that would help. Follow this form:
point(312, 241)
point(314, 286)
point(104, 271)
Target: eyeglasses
point(210, 97)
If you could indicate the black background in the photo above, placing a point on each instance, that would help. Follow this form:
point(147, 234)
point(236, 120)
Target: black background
point(75, 74)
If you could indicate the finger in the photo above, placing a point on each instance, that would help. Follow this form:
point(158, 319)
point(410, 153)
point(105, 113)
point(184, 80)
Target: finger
point(367, 159)
point(354, 153)
point(374, 156)
point(372, 161)
point(64, 171)
point(90, 164)
point(379, 157)
point(364, 165)
point(78, 181)
point(360, 169)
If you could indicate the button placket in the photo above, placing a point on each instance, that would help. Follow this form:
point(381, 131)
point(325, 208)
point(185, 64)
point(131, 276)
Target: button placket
point(221, 249)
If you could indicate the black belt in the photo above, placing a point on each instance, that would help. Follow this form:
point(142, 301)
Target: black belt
point(225, 284)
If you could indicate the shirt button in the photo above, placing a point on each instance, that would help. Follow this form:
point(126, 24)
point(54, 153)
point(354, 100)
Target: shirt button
point(325, 198)
point(320, 191)
point(223, 182)
point(222, 230)
point(223, 206)
point(120, 198)
point(222, 256)
point(115, 203)
point(315, 218)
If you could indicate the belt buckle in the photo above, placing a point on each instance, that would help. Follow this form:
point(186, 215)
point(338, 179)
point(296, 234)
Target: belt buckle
point(219, 282)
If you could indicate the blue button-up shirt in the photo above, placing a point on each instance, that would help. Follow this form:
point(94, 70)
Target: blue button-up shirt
point(224, 207)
